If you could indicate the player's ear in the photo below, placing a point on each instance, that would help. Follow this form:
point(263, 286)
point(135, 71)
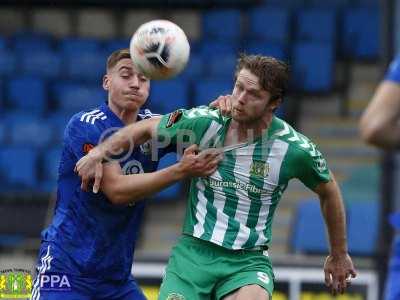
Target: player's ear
point(274, 103)
point(106, 82)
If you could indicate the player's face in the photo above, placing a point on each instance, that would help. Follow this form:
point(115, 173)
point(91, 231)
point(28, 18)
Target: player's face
point(127, 88)
point(250, 102)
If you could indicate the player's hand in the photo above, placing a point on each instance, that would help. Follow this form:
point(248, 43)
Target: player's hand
point(203, 164)
point(224, 104)
point(88, 168)
point(338, 270)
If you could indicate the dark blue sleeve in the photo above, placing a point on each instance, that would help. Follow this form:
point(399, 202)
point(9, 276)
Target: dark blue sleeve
point(80, 137)
point(393, 72)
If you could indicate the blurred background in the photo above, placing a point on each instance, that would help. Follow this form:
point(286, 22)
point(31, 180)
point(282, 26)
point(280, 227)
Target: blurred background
point(52, 59)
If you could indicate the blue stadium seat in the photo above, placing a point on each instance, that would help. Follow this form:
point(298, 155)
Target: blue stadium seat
point(77, 45)
point(25, 41)
point(208, 90)
point(224, 24)
point(270, 24)
point(221, 66)
point(29, 130)
point(289, 4)
point(28, 94)
point(18, 167)
point(172, 192)
point(3, 43)
point(50, 163)
point(85, 65)
point(8, 62)
point(116, 44)
point(167, 96)
point(3, 133)
point(360, 33)
point(74, 97)
point(308, 229)
point(363, 227)
point(316, 24)
point(332, 4)
point(212, 47)
point(58, 121)
point(42, 63)
point(194, 69)
point(313, 67)
point(276, 50)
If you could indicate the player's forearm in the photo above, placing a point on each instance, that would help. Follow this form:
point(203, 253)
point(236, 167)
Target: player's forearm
point(334, 214)
point(127, 137)
point(386, 138)
point(135, 187)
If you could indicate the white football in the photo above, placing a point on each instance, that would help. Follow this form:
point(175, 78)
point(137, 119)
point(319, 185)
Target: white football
point(159, 49)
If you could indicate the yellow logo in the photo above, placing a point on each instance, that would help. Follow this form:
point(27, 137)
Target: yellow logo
point(15, 284)
point(259, 168)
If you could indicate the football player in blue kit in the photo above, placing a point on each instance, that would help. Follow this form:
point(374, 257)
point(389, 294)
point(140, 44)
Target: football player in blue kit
point(87, 250)
point(380, 127)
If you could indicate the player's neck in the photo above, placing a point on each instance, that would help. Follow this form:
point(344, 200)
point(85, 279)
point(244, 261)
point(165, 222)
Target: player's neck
point(126, 116)
point(248, 131)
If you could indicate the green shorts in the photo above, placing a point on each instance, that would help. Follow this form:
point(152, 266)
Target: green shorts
point(201, 270)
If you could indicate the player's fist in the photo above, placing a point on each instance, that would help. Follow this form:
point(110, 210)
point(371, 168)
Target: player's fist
point(88, 168)
point(224, 104)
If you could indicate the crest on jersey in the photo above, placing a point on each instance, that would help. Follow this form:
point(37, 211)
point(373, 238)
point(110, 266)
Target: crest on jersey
point(175, 296)
point(146, 148)
point(259, 168)
point(321, 164)
point(173, 118)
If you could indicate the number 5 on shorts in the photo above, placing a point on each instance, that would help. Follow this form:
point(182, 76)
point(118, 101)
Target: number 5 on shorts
point(263, 277)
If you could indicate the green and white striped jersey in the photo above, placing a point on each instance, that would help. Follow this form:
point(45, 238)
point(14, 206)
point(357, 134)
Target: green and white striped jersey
point(234, 207)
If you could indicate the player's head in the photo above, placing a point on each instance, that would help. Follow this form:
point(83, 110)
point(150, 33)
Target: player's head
point(260, 84)
point(127, 88)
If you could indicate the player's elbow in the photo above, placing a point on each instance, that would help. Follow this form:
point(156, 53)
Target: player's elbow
point(370, 131)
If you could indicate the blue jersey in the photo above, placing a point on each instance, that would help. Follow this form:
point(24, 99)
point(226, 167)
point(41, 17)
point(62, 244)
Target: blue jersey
point(96, 237)
point(393, 73)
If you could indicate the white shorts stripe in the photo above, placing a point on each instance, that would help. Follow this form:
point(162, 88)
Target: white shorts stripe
point(45, 265)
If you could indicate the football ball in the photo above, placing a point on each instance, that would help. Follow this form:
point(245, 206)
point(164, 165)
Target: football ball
point(159, 49)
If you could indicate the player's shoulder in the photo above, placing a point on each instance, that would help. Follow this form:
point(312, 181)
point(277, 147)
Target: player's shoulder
point(147, 114)
point(203, 113)
point(91, 117)
point(89, 121)
point(297, 142)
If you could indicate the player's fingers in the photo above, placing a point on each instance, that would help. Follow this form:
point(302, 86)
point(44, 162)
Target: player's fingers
point(353, 273)
point(84, 185)
point(328, 278)
point(191, 150)
point(214, 103)
point(97, 177)
point(229, 104)
point(211, 171)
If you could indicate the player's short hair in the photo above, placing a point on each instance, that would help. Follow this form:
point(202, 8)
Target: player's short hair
point(116, 56)
point(272, 73)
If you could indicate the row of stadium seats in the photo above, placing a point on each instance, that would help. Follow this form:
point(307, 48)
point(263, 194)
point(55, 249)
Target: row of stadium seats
point(312, 63)
point(354, 32)
point(309, 234)
point(28, 170)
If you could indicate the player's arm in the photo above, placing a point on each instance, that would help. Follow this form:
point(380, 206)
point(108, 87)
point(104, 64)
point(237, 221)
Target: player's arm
point(90, 166)
point(379, 124)
point(124, 189)
point(338, 265)
point(313, 171)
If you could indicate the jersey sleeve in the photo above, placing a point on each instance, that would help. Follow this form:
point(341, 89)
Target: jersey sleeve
point(184, 126)
point(81, 137)
point(393, 72)
point(311, 167)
